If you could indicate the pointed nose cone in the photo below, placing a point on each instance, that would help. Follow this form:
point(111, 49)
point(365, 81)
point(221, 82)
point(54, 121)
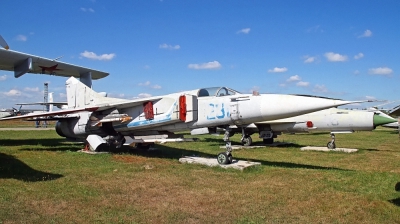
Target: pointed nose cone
point(277, 106)
point(380, 120)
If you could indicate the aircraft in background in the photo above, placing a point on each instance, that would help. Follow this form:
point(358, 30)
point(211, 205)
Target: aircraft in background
point(5, 113)
point(103, 120)
point(50, 103)
point(333, 120)
point(394, 112)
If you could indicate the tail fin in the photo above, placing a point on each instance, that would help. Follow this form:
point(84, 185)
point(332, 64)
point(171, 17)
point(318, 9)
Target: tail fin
point(80, 95)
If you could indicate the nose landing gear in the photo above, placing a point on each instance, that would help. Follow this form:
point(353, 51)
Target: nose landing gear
point(225, 158)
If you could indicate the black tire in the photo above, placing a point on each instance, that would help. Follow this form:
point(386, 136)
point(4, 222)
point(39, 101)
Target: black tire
point(268, 141)
point(223, 158)
point(331, 145)
point(247, 141)
point(397, 186)
point(230, 158)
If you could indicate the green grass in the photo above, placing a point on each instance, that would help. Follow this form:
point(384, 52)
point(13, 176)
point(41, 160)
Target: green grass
point(44, 180)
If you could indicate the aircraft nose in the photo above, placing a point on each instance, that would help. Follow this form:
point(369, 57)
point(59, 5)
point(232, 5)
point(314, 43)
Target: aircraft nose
point(277, 106)
point(380, 120)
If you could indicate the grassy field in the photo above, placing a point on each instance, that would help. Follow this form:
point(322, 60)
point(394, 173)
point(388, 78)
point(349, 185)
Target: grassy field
point(44, 180)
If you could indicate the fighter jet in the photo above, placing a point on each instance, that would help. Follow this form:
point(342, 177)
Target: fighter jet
point(98, 119)
point(333, 120)
point(103, 120)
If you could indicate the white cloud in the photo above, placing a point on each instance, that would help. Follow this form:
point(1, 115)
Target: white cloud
point(13, 92)
point(308, 59)
point(3, 77)
point(293, 78)
point(245, 31)
point(208, 65)
point(358, 56)
point(28, 89)
point(147, 83)
point(87, 9)
point(21, 38)
point(366, 33)
point(356, 72)
point(276, 70)
point(380, 71)
point(169, 47)
point(144, 95)
point(303, 84)
point(93, 56)
point(320, 89)
point(335, 57)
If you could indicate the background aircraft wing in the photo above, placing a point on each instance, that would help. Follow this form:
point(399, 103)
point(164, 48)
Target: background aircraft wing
point(13, 60)
point(58, 104)
point(395, 112)
point(54, 113)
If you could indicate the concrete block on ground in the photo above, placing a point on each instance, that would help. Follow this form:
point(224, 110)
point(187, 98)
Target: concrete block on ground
point(236, 164)
point(325, 149)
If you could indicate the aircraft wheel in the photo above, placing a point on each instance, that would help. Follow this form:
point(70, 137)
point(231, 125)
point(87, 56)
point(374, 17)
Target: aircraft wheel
point(268, 140)
point(247, 141)
point(223, 158)
point(331, 145)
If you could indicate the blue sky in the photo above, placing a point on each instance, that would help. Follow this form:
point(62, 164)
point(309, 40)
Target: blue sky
point(340, 49)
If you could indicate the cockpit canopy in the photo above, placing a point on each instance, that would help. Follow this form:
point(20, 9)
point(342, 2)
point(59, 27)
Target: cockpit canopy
point(216, 91)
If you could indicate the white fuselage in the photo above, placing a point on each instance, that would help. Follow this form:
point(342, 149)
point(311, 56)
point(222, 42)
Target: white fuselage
point(333, 120)
point(214, 111)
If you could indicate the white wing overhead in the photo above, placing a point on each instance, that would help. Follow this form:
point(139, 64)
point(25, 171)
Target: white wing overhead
point(12, 60)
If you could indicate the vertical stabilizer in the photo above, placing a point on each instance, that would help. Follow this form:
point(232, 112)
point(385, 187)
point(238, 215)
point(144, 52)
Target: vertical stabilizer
point(80, 95)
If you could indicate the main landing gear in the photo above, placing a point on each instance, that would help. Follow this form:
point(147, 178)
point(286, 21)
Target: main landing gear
point(246, 139)
point(225, 158)
point(331, 144)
